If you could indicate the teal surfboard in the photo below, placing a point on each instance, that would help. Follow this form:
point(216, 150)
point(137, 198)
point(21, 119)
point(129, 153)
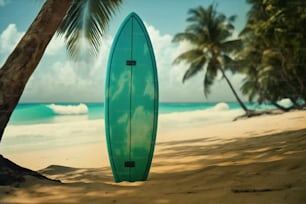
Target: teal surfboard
point(131, 102)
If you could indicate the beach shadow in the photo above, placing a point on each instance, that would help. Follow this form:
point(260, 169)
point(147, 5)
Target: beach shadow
point(265, 169)
point(267, 164)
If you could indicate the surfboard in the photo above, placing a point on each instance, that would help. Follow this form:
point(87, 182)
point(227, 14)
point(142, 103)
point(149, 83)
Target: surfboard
point(131, 102)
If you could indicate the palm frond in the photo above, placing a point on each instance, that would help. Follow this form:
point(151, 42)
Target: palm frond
point(194, 68)
point(250, 88)
point(193, 56)
point(272, 57)
point(221, 18)
point(232, 18)
point(231, 45)
point(86, 19)
point(210, 75)
point(213, 68)
point(236, 65)
point(207, 83)
point(191, 71)
point(188, 36)
point(223, 32)
point(268, 76)
point(195, 15)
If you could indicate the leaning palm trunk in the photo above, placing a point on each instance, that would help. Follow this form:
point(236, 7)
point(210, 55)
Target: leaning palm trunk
point(247, 111)
point(22, 62)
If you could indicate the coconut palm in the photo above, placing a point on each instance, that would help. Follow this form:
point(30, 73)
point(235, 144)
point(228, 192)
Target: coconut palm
point(73, 19)
point(273, 30)
point(209, 33)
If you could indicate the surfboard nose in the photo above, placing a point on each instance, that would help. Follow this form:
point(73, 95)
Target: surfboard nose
point(133, 14)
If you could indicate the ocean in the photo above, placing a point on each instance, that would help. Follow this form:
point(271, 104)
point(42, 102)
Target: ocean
point(35, 126)
point(38, 113)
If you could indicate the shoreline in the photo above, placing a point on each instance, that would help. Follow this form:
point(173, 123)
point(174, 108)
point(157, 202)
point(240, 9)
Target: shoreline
point(93, 154)
point(261, 159)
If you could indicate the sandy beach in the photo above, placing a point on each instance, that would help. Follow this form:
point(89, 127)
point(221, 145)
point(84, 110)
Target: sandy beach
point(257, 160)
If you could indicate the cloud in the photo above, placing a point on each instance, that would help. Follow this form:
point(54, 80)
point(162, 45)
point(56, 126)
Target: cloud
point(170, 76)
point(59, 78)
point(56, 45)
point(9, 38)
point(63, 80)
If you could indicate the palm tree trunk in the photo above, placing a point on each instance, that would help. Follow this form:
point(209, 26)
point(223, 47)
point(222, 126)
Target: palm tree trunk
point(247, 111)
point(22, 62)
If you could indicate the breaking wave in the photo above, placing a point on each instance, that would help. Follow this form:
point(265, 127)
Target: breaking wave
point(80, 109)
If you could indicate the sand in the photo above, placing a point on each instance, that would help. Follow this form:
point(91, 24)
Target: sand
point(257, 160)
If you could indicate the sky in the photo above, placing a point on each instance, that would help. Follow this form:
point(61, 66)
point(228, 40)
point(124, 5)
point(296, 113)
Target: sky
point(60, 79)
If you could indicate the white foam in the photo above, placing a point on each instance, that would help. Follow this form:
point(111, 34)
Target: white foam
point(218, 114)
point(286, 102)
point(52, 135)
point(69, 109)
point(220, 107)
point(72, 130)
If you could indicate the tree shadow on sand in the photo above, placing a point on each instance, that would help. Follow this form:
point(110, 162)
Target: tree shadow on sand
point(268, 169)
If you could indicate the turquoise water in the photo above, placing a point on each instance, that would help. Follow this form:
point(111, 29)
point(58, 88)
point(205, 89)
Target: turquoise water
point(43, 126)
point(33, 113)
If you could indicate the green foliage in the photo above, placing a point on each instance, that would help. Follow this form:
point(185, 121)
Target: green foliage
point(274, 44)
point(86, 20)
point(208, 32)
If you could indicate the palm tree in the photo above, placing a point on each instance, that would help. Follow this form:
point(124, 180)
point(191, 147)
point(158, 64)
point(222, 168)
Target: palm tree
point(209, 33)
point(274, 33)
point(74, 19)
